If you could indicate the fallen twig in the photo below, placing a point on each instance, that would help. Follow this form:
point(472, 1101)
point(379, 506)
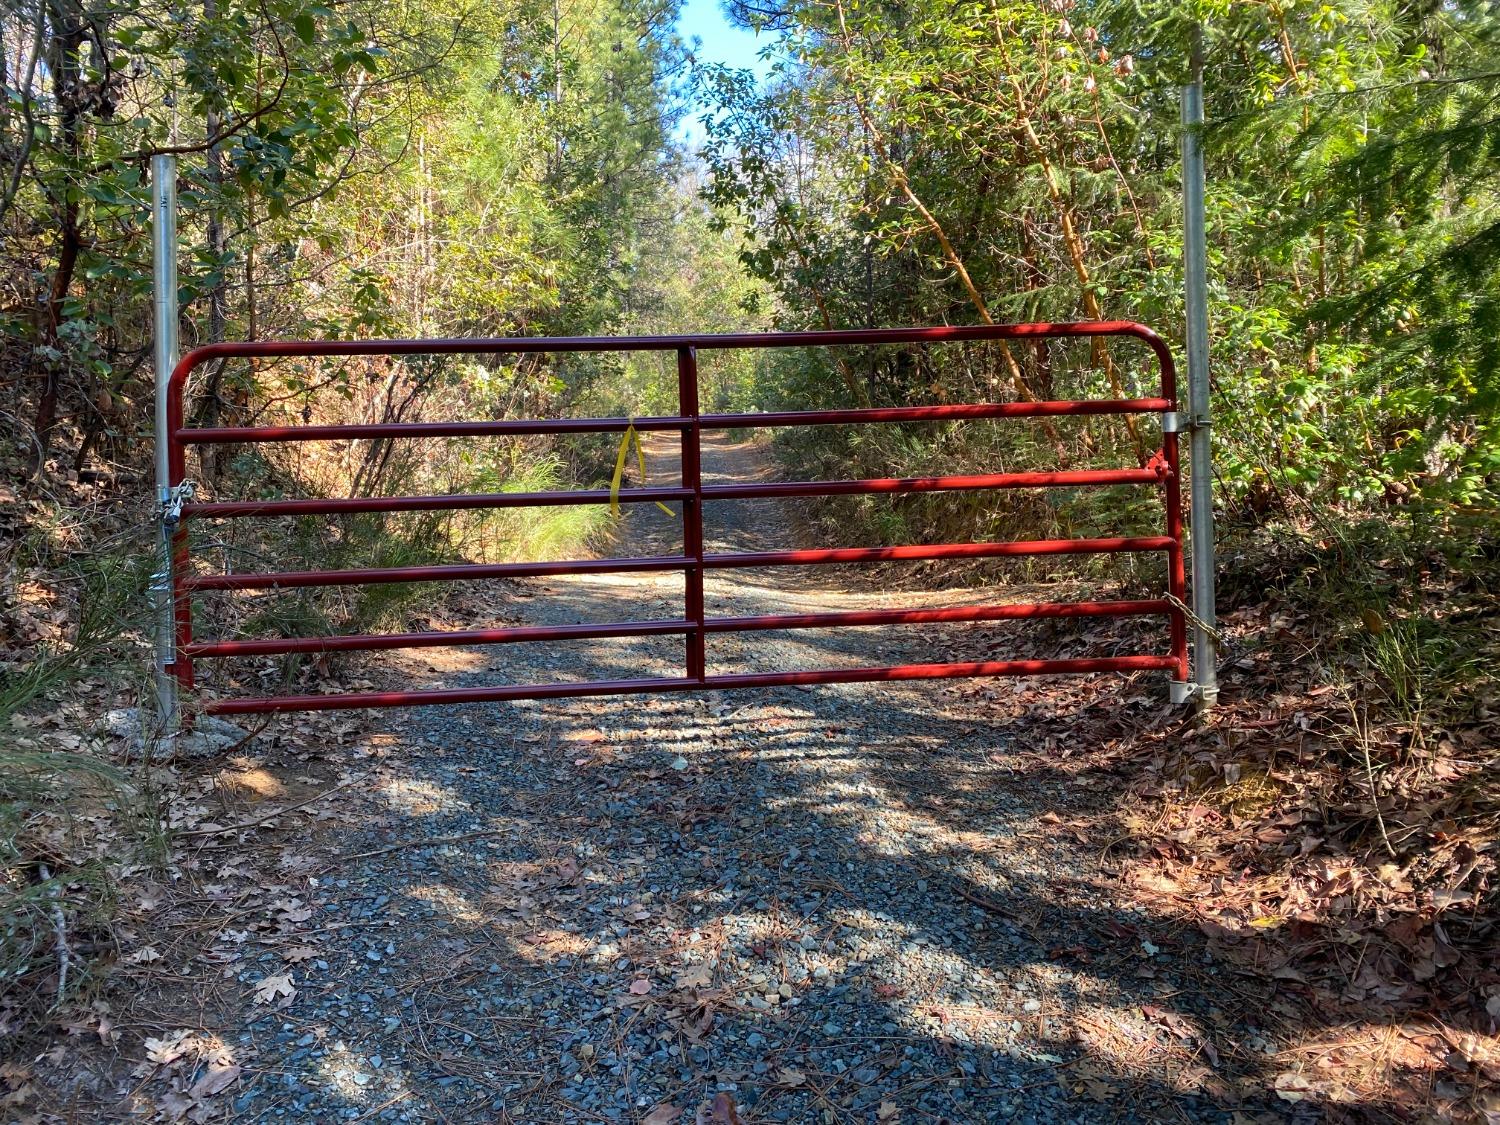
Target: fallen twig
point(985, 903)
point(60, 928)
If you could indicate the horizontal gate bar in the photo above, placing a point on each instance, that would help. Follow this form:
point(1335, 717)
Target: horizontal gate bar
point(518, 427)
point(1142, 608)
point(314, 506)
point(460, 502)
point(372, 642)
point(356, 700)
point(930, 484)
point(944, 413)
point(1021, 549)
point(236, 435)
point(533, 345)
point(376, 576)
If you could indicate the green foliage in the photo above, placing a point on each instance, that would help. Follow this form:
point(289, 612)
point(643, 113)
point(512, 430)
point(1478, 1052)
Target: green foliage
point(534, 533)
point(921, 163)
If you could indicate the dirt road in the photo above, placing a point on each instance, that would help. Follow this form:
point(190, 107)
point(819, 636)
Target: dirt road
point(848, 904)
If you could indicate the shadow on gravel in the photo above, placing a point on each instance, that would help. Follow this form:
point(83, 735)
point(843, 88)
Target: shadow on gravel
point(853, 904)
point(845, 909)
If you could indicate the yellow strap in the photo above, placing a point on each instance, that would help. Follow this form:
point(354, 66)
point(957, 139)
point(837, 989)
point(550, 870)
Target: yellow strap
point(614, 484)
point(626, 438)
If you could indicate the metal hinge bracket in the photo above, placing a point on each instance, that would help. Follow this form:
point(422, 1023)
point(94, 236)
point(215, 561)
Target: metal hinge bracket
point(1183, 691)
point(1181, 422)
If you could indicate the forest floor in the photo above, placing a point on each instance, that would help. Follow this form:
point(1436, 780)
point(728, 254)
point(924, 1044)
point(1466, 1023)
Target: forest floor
point(862, 903)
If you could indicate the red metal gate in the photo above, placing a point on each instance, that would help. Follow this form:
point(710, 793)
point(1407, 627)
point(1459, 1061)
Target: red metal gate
point(694, 625)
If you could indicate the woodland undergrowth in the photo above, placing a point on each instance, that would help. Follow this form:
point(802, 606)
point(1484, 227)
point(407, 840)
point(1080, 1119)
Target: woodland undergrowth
point(1329, 826)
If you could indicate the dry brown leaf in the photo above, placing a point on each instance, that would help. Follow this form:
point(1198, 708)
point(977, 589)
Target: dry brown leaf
point(1099, 1090)
point(695, 976)
point(1292, 1087)
point(269, 988)
point(721, 1111)
point(169, 1048)
point(663, 1114)
point(216, 1079)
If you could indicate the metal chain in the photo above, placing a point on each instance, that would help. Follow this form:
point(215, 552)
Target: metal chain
point(1194, 620)
point(171, 507)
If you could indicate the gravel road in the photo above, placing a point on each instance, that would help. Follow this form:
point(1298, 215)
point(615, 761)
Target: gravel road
point(839, 905)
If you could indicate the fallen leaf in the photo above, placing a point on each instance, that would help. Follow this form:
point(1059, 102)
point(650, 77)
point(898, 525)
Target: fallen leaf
point(216, 1079)
point(663, 1114)
point(1099, 1090)
point(888, 1111)
point(721, 1111)
point(640, 987)
point(170, 1048)
point(1076, 951)
point(175, 1106)
point(292, 911)
point(1292, 1087)
point(1444, 898)
point(695, 976)
point(271, 987)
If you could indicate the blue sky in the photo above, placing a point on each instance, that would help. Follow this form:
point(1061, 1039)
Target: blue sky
point(721, 43)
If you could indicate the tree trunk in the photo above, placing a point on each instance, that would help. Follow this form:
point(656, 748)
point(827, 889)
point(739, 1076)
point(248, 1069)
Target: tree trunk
point(211, 405)
point(66, 35)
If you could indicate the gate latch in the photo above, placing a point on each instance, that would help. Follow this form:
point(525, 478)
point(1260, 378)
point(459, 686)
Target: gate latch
point(170, 509)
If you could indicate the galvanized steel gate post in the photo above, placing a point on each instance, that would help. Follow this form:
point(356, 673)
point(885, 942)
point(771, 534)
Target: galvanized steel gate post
point(164, 307)
point(1195, 278)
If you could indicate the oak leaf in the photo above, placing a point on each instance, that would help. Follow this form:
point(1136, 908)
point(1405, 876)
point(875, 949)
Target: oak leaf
point(271, 987)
